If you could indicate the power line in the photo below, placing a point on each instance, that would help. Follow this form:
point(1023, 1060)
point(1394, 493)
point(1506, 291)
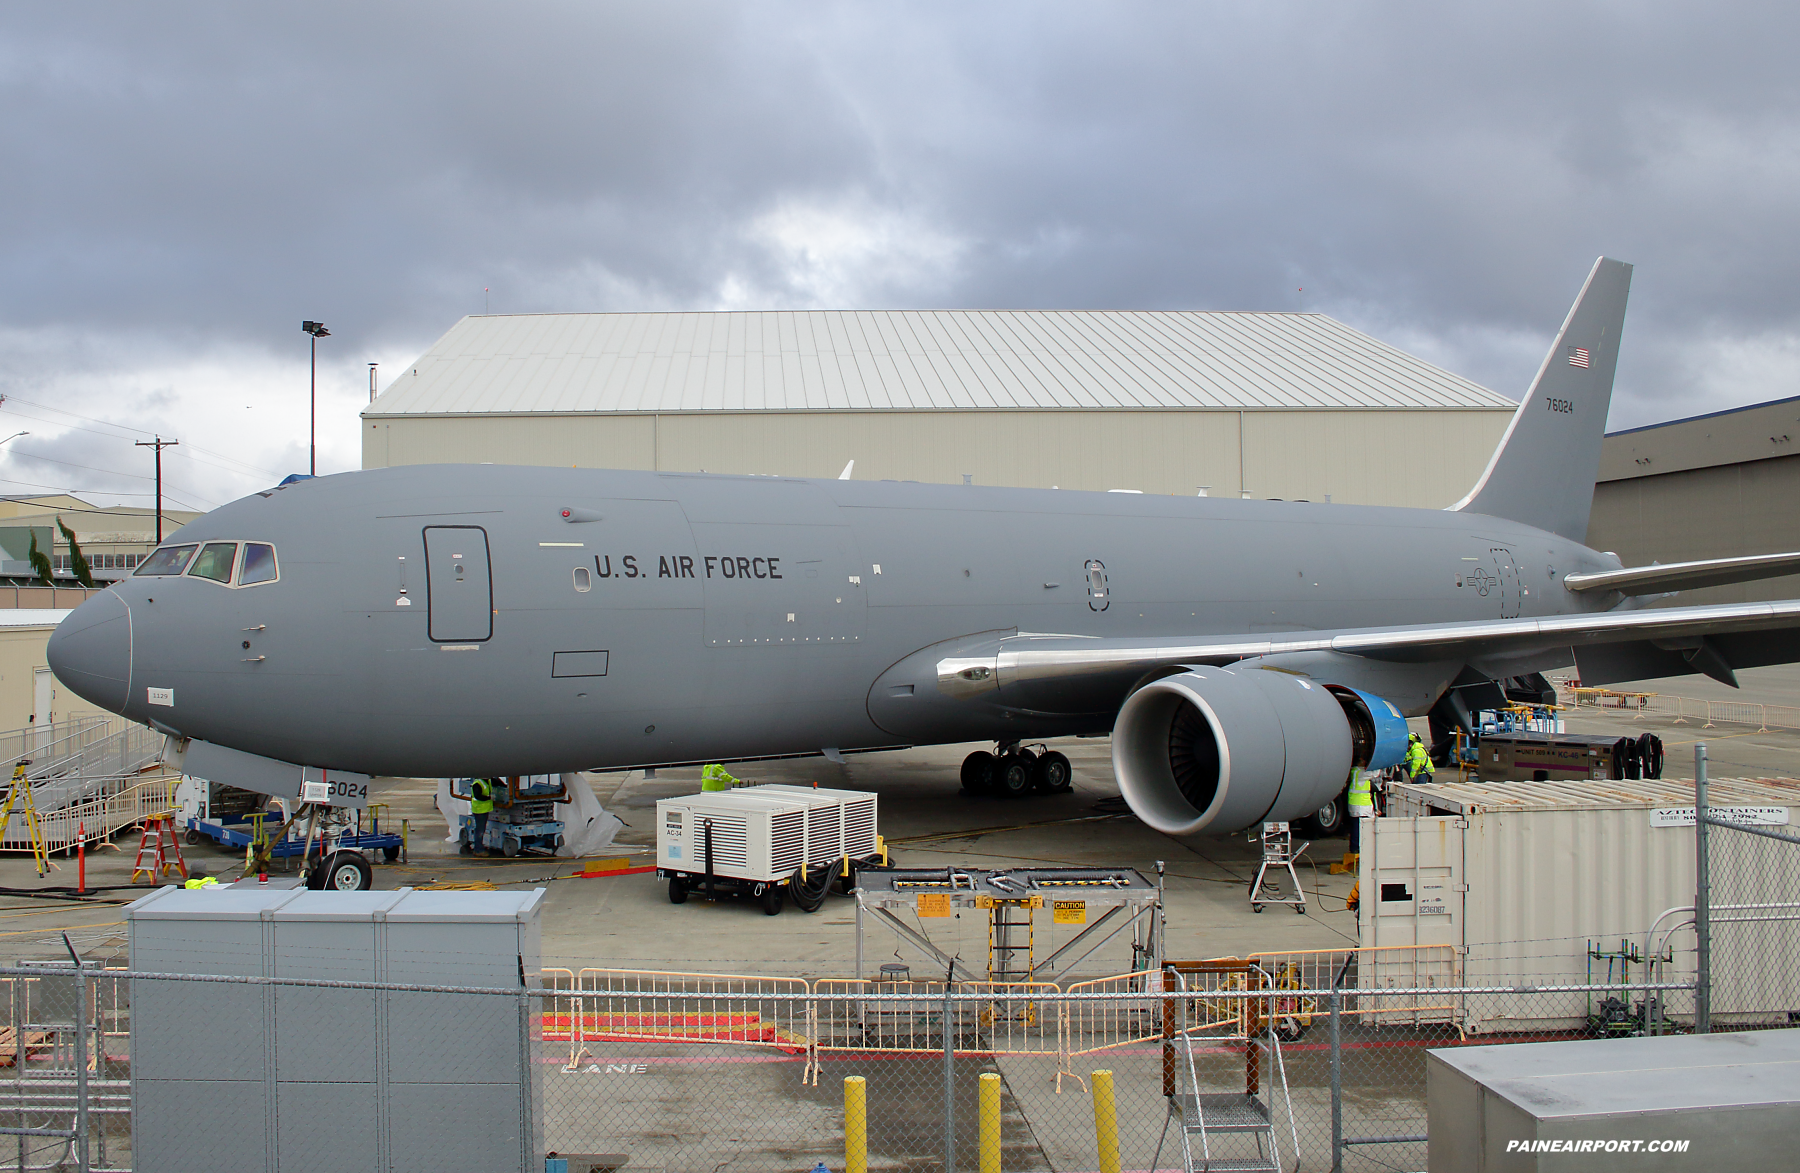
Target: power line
point(108, 472)
point(88, 467)
point(5, 399)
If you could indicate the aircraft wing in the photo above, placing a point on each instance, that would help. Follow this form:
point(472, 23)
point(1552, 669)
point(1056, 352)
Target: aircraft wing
point(1609, 646)
point(1683, 576)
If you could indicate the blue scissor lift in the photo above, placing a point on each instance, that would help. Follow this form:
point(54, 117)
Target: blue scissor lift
point(524, 819)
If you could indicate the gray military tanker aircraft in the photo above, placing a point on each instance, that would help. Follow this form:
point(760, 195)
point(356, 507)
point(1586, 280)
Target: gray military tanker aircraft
point(479, 620)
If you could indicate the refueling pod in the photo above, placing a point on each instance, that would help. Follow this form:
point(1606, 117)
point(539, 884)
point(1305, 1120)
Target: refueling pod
point(1216, 750)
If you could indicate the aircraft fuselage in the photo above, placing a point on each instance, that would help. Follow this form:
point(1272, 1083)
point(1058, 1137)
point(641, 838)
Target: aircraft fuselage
point(465, 620)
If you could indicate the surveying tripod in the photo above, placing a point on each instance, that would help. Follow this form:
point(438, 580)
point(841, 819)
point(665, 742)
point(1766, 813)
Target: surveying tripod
point(21, 787)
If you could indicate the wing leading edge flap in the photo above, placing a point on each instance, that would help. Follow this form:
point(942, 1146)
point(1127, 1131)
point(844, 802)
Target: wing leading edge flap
point(1673, 640)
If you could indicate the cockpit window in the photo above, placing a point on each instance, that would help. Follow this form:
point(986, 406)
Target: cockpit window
point(215, 561)
point(259, 564)
point(168, 560)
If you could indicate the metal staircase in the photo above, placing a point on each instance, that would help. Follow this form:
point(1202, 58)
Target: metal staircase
point(1226, 1131)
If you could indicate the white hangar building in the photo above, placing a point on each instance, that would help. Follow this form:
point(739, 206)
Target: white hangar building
point(1270, 405)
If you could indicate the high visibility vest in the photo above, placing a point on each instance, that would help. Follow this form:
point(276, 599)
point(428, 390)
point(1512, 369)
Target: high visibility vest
point(714, 777)
point(481, 797)
point(1360, 798)
point(1417, 760)
point(208, 882)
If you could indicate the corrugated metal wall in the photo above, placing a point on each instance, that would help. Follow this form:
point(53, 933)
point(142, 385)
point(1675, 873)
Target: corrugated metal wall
point(1418, 458)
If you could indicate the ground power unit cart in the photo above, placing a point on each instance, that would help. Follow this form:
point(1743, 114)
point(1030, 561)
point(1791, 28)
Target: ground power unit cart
point(766, 841)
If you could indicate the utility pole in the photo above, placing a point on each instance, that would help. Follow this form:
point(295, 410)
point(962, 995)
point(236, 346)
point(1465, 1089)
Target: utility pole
point(159, 444)
point(318, 331)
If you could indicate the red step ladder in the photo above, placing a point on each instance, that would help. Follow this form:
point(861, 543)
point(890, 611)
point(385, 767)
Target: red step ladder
point(160, 846)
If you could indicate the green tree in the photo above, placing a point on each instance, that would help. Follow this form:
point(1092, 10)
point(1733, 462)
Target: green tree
point(40, 562)
point(78, 563)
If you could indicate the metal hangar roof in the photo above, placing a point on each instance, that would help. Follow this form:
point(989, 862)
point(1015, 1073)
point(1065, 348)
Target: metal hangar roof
point(916, 360)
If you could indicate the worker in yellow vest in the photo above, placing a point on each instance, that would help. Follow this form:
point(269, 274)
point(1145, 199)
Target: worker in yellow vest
point(198, 880)
point(481, 805)
point(1418, 761)
point(714, 777)
point(1361, 801)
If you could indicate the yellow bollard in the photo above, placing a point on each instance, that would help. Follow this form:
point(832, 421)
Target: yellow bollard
point(990, 1123)
point(1106, 1123)
point(856, 1125)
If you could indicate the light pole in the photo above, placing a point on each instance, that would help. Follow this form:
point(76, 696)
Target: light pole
point(13, 437)
point(318, 331)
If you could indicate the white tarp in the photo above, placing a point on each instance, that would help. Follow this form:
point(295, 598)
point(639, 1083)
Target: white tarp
point(587, 827)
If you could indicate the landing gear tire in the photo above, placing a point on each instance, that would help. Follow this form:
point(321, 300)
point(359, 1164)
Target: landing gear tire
point(1050, 774)
point(978, 772)
point(345, 871)
point(1328, 821)
point(771, 900)
point(1014, 775)
point(677, 890)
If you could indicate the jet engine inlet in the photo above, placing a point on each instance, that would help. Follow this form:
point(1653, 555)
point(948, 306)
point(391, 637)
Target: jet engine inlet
point(1217, 750)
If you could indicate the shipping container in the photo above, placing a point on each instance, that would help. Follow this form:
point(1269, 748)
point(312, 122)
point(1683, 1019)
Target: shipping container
point(1523, 879)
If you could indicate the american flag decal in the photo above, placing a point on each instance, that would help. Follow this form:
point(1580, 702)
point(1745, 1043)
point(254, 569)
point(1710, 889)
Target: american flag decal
point(1578, 357)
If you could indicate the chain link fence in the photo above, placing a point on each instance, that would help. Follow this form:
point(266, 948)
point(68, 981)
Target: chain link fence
point(639, 1072)
point(1310, 1060)
point(1747, 914)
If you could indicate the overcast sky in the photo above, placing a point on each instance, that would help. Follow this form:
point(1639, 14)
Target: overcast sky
point(183, 184)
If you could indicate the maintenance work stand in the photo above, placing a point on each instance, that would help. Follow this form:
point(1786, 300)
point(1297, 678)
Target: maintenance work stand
point(1105, 901)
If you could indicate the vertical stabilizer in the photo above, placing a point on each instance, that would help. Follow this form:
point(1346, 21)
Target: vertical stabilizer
point(1542, 473)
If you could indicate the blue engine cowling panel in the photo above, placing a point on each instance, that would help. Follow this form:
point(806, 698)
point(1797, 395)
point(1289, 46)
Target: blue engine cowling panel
point(1390, 727)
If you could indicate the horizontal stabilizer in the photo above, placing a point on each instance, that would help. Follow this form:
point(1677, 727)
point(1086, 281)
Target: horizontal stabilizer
point(1686, 576)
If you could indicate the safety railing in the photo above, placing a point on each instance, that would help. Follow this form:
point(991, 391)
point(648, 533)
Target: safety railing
point(122, 802)
point(49, 744)
point(1364, 974)
point(1132, 1018)
point(1683, 709)
point(674, 1007)
point(882, 1016)
point(1015, 1018)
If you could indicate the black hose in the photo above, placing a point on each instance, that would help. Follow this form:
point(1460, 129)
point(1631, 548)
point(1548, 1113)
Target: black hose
point(810, 893)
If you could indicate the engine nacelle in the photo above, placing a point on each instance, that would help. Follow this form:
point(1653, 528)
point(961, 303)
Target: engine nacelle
point(1217, 750)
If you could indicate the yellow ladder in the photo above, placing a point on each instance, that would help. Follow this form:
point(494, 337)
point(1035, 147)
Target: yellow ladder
point(40, 854)
point(1005, 928)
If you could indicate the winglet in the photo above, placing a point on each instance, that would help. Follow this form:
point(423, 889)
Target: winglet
point(1542, 473)
point(845, 475)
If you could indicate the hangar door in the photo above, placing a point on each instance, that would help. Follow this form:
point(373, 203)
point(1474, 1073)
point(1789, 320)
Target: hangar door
point(458, 583)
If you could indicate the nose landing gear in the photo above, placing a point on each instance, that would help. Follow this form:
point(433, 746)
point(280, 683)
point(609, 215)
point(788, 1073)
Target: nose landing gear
point(1014, 772)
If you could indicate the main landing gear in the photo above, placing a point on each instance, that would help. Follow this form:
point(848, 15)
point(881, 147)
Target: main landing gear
point(1015, 772)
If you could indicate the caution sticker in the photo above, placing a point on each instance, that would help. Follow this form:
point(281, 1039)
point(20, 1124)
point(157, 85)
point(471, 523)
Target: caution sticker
point(934, 904)
point(1070, 912)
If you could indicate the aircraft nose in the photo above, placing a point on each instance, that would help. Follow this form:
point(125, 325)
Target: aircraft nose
point(90, 651)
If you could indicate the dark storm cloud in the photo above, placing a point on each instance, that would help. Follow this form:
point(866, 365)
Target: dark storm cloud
point(186, 182)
